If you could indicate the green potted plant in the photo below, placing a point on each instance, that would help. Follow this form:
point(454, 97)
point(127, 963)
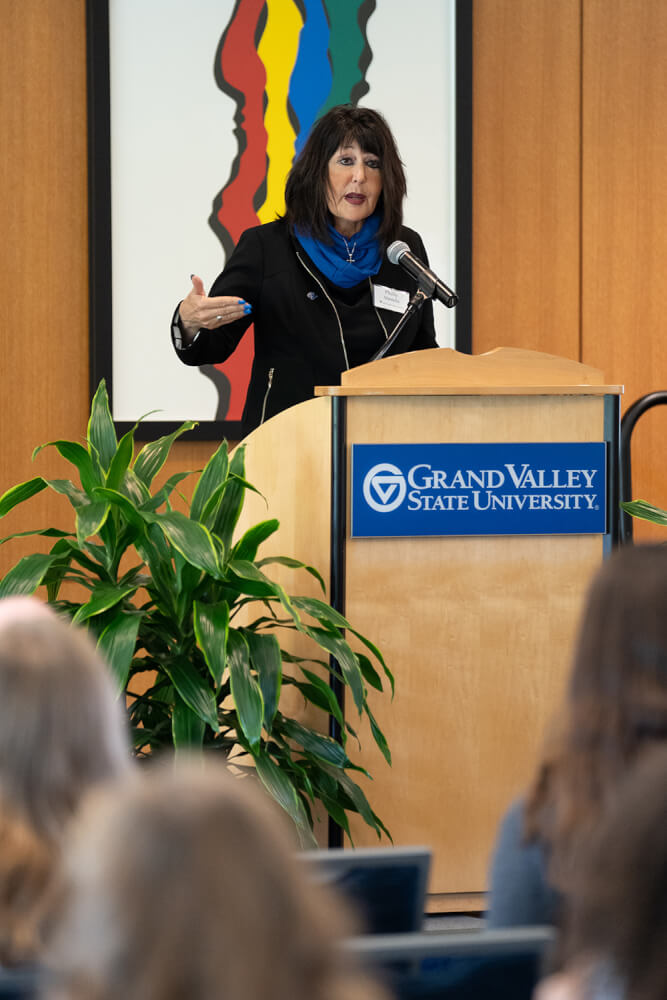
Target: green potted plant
point(178, 604)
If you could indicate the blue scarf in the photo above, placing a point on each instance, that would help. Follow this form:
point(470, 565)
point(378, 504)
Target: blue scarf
point(331, 258)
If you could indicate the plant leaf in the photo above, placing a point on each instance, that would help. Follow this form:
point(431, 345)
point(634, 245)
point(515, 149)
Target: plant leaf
point(213, 475)
point(292, 564)
point(279, 786)
point(250, 580)
point(103, 597)
point(186, 726)
point(45, 533)
point(26, 576)
point(645, 511)
point(22, 491)
point(246, 547)
point(120, 462)
point(117, 645)
point(156, 554)
point(357, 797)
point(377, 654)
point(378, 736)
point(123, 503)
point(90, 519)
point(229, 512)
point(75, 453)
point(190, 538)
point(369, 673)
point(349, 665)
point(245, 689)
point(266, 658)
point(74, 494)
point(327, 695)
point(132, 488)
point(337, 813)
point(153, 455)
point(158, 499)
point(62, 551)
point(211, 622)
point(315, 743)
point(321, 611)
point(101, 430)
point(192, 689)
point(324, 613)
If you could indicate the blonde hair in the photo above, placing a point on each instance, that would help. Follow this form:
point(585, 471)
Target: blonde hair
point(61, 731)
point(184, 883)
point(27, 889)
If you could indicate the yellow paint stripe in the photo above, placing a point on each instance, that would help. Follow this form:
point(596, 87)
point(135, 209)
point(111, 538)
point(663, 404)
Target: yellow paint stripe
point(277, 49)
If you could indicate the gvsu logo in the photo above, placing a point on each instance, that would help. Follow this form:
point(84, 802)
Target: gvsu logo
point(384, 487)
point(495, 488)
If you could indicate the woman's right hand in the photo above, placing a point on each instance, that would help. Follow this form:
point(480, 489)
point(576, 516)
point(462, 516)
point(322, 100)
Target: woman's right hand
point(198, 310)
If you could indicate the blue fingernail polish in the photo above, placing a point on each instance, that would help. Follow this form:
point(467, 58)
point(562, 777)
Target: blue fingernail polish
point(247, 308)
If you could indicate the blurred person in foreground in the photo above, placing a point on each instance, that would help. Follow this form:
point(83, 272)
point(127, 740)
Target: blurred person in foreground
point(614, 711)
point(615, 937)
point(62, 731)
point(184, 883)
point(316, 283)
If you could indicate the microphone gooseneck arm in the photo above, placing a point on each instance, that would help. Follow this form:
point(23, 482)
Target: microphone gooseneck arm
point(429, 286)
point(414, 305)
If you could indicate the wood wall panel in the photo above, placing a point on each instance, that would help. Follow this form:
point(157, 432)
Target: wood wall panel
point(44, 273)
point(526, 181)
point(43, 279)
point(624, 217)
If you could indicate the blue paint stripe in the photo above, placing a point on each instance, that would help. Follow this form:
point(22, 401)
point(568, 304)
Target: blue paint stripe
point(310, 83)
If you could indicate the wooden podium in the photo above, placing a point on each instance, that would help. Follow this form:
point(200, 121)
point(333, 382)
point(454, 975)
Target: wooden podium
point(477, 629)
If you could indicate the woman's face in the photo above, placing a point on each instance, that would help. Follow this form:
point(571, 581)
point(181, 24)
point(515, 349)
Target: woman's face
point(355, 184)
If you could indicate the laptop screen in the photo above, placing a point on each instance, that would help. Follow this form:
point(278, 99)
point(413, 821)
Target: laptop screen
point(385, 885)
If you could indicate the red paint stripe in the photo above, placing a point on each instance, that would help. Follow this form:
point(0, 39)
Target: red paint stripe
point(243, 69)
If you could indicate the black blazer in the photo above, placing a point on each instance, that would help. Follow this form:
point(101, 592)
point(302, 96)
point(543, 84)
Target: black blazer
point(298, 339)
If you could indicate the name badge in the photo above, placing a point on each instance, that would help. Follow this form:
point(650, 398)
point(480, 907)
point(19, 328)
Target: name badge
point(390, 298)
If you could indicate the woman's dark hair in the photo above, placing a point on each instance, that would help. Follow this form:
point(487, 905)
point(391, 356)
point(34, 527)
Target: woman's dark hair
point(615, 707)
point(617, 912)
point(307, 184)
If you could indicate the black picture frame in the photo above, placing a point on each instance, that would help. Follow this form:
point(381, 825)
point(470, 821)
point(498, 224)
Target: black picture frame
point(100, 215)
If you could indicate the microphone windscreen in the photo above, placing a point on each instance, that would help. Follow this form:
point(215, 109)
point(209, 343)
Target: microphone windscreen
point(396, 250)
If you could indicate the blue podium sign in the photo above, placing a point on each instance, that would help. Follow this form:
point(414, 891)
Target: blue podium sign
point(479, 489)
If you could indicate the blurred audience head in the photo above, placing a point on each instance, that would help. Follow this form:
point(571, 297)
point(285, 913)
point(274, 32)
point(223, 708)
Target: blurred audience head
point(617, 697)
point(184, 883)
point(615, 935)
point(61, 731)
point(616, 704)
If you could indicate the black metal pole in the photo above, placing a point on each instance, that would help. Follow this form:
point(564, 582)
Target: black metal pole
point(630, 418)
point(612, 417)
point(337, 559)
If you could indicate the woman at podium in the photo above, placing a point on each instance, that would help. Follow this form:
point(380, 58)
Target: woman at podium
point(316, 283)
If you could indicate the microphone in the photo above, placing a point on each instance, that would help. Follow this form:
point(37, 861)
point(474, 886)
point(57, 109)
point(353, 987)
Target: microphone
point(399, 253)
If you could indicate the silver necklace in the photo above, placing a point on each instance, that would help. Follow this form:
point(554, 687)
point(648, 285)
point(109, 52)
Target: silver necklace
point(350, 253)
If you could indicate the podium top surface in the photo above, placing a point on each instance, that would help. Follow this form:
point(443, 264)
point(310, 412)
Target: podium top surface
point(443, 371)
